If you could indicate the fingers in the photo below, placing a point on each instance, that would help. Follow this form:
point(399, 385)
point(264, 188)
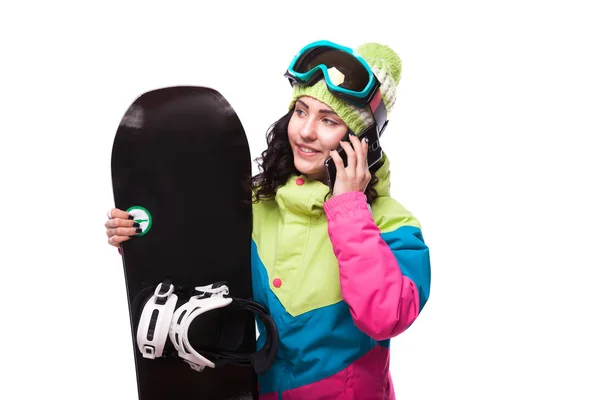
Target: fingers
point(359, 149)
point(117, 213)
point(120, 222)
point(350, 156)
point(116, 236)
point(337, 160)
point(355, 176)
point(365, 148)
point(120, 227)
point(119, 218)
point(117, 240)
point(123, 231)
point(361, 172)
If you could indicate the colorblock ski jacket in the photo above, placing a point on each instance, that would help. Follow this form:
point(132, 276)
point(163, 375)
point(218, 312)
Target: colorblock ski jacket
point(340, 280)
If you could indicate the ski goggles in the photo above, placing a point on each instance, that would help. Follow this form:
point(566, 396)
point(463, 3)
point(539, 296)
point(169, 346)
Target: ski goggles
point(346, 73)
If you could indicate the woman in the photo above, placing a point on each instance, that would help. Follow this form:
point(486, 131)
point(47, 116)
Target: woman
point(341, 269)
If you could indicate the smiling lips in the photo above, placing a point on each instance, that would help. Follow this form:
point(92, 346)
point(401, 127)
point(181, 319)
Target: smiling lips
point(307, 151)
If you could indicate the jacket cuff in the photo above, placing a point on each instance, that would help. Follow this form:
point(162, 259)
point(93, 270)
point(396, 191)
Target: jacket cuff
point(345, 203)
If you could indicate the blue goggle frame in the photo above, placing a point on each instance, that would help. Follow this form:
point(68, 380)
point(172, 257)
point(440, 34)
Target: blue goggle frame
point(359, 97)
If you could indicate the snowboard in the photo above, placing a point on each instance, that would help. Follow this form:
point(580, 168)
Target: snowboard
point(180, 165)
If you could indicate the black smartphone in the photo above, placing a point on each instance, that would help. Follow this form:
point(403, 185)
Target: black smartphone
point(374, 154)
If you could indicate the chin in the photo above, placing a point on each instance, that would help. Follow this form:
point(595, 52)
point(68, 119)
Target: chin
point(312, 170)
point(317, 174)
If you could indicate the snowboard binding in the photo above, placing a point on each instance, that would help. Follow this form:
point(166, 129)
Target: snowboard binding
point(161, 319)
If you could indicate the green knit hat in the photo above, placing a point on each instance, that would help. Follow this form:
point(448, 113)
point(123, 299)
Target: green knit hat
point(384, 63)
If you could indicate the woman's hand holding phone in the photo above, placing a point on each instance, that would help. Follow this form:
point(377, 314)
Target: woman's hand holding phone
point(356, 175)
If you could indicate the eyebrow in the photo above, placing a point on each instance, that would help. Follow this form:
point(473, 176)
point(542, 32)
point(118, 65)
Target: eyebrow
point(321, 111)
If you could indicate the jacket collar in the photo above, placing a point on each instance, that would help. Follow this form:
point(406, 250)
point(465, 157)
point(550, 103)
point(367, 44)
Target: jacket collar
point(305, 196)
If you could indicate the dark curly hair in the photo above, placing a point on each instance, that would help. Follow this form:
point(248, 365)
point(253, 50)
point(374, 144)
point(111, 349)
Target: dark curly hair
point(276, 164)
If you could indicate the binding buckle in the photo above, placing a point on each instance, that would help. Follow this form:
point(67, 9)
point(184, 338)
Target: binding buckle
point(209, 298)
point(155, 321)
point(160, 320)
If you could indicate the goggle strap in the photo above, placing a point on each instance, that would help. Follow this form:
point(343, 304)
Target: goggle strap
point(379, 111)
point(375, 101)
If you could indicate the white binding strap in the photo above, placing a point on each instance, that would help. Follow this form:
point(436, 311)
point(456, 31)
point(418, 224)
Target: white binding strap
point(155, 322)
point(183, 317)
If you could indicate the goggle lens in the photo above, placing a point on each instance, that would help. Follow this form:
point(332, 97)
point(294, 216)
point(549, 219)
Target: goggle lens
point(353, 76)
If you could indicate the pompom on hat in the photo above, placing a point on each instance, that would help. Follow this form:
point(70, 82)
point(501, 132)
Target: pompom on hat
point(387, 67)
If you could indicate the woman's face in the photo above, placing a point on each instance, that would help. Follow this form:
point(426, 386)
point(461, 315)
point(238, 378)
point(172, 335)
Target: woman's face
point(313, 131)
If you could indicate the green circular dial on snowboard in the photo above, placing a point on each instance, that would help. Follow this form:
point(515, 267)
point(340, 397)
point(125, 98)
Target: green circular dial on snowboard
point(142, 217)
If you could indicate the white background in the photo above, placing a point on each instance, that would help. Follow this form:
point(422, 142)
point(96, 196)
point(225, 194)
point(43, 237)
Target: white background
point(491, 143)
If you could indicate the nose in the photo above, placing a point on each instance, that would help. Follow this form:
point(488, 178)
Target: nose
point(308, 130)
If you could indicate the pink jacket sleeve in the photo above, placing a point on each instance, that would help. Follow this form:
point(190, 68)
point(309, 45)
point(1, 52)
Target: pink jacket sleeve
point(383, 302)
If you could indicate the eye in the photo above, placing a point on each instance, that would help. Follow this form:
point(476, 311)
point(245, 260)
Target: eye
point(300, 112)
point(330, 122)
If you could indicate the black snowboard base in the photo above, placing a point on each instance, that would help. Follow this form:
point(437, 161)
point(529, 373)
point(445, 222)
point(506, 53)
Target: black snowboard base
point(181, 163)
